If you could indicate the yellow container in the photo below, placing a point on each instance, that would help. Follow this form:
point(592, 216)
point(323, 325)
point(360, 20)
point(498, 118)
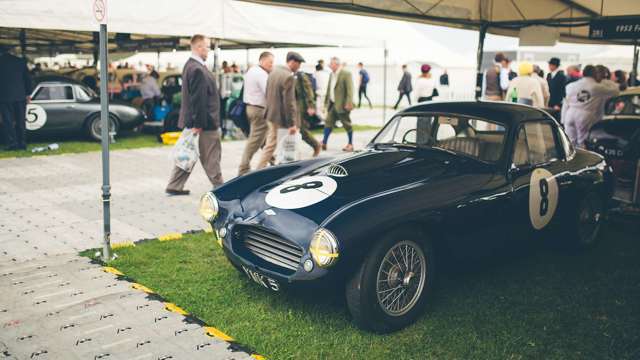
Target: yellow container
point(170, 138)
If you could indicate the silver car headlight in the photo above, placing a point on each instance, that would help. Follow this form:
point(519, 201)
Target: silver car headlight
point(324, 248)
point(209, 207)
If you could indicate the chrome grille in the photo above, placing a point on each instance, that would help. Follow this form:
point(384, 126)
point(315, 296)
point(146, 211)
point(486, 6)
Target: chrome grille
point(272, 248)
point(337, 170)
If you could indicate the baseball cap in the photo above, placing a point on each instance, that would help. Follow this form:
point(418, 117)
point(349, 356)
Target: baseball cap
point(292, 55)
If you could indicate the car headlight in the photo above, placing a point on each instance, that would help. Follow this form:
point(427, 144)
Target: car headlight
point(324, 248)
point(208, 207)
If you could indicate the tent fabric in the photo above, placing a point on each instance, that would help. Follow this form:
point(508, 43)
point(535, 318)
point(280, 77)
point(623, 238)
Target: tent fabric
point(504, 17)
point(237, 24)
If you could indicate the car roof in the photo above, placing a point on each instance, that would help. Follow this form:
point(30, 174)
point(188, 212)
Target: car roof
point(504, 112)
point(631, 91)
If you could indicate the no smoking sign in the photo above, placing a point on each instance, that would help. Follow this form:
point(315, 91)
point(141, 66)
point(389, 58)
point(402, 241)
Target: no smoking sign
point(100, 11)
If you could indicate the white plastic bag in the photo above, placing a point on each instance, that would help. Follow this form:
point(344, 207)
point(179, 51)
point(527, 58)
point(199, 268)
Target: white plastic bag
point(185, 152)
point(288, 148)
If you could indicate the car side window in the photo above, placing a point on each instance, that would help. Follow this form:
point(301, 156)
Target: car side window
point(541, 142)
point(49, 93)
point(521, 151)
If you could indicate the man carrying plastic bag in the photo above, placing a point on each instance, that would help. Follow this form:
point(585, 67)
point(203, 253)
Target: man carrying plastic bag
point(200, 119)
point(281, 113)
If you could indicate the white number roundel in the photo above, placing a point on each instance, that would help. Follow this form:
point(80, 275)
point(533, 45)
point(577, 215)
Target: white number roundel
point(301, 192)
point(543, 198)
point(36, 117)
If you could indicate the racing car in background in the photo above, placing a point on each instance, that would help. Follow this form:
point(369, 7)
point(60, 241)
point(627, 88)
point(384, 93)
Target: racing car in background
point(450, 177)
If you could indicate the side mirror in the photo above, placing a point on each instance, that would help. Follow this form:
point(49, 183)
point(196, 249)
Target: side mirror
point(518, 170)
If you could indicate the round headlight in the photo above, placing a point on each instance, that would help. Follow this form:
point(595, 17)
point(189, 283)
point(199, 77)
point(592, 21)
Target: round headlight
point(324, 248)
point(208, 207)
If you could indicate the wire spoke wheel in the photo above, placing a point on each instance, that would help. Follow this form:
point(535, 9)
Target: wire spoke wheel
point(589, 219)
point(401, 278)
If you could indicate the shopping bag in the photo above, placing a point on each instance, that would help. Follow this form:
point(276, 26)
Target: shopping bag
point(185, 153)
point(288, 147)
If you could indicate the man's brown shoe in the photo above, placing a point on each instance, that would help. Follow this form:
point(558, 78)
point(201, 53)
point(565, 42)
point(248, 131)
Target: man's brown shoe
point(172, 192)
point(324, 146)
point(348, 148)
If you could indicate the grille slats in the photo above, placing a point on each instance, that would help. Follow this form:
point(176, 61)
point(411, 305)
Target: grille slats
point(271, 247)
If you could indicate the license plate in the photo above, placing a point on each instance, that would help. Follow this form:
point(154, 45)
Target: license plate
point(262, 280)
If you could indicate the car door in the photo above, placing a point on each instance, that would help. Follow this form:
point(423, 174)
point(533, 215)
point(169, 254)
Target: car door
point(538, 176)
point(51, 108)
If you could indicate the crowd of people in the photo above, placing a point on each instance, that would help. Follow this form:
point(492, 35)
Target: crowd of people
point(578, 98)
point(278, 100)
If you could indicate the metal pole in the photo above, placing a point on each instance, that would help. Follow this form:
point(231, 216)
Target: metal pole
point(384, 85)
point(104, 120)
point(479, 75)
point(634, 70)
point(246, 68)
point(23, 43)
point(158, 61)
point(216, 57)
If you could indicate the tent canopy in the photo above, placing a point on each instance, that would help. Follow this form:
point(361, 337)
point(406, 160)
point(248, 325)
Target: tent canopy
point(148, 25)
point(503, 17)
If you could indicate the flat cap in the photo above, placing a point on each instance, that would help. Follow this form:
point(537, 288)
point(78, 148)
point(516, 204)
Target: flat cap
point(292, 55)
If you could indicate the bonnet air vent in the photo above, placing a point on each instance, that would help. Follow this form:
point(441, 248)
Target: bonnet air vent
point(337, 171)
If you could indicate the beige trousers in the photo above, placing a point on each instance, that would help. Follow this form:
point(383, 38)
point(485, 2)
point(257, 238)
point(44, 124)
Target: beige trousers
point(210, 154)
point(270, 146)
point(257, 134)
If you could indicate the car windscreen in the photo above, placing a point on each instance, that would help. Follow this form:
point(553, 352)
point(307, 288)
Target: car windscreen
point(477, 138)
point(624, 105)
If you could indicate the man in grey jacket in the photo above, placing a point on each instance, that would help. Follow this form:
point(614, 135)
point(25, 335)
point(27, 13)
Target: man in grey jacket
point(404, 87)
point(200, 113)
point(281, 110)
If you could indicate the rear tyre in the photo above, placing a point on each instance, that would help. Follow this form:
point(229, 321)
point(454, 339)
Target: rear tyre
point(391, 287)
point(93, 127)
point(587, 222)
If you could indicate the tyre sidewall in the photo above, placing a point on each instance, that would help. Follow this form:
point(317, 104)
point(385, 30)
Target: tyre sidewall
point(92, 120)
point(370, 314)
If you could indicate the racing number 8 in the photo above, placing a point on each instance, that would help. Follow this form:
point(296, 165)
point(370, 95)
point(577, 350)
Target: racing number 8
point(307, 185)
point(544, 194)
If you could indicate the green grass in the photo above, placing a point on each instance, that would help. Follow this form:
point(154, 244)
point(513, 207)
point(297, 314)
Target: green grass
point(544, 305)
point(126, 140)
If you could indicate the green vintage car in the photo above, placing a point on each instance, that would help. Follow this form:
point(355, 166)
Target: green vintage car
point(64, 106)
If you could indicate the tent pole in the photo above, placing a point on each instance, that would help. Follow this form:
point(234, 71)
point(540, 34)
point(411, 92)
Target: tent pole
point(246, 68)
point(384, 84)
point(104, 120)
point(23, 43)
point(634, 70)
point(158, 61)
point(479, 75)
point(216, 57)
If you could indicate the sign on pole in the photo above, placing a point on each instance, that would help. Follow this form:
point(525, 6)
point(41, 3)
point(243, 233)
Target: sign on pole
point(615, 29)
point(100, 11)
point(100, 14)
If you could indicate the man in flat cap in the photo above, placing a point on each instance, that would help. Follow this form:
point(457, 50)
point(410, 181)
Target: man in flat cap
point(280, 111)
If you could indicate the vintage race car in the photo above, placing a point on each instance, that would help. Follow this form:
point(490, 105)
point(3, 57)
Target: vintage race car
point(64, 107)
point(452, 177)
point(617, 138)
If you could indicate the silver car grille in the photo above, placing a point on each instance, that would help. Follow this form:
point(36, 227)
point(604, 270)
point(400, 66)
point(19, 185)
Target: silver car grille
point(337, 170)
point(272, 248)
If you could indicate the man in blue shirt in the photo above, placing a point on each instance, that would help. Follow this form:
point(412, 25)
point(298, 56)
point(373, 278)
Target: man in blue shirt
point(362, 89)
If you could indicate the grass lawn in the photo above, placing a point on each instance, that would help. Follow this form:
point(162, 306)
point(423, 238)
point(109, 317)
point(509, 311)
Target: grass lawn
point(126, 140)
point(544, 305)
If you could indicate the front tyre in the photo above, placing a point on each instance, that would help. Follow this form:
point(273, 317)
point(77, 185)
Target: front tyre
point(587, 222)
point(93, 127)
point(391, 287)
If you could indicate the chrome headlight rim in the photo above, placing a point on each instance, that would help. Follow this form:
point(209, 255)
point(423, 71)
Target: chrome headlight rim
point(320, 256)
point(209, 207)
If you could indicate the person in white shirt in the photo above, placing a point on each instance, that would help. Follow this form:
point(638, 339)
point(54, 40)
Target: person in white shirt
point(150, 92)
point(322, 83)
point(583, 105)
point(425, 85)
point(254, 96)
point(526, 89)
point(543, 83)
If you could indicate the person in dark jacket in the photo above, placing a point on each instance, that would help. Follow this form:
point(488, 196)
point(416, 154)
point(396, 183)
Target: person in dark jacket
point(15, 91)
point(557, 82)
point(200, 113)
point(404, 87)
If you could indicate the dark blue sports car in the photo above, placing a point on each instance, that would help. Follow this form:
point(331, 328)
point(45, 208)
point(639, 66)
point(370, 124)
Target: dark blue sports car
point(454, 177)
